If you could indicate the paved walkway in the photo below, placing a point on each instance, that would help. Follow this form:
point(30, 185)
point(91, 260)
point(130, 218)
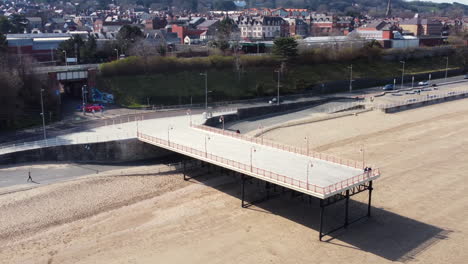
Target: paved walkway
point(315, 174)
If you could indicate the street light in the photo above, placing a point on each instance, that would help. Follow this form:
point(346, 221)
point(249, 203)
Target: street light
point(278, 97)
point(207, 137)
point(83, 97)
point(66, 62)
point(363, 160)
point(446, 68)
point(261, 132)
point(309, 164)
point(252, 150)
point(43, 116)
point(402, 74)
point(350, 78)
point(189, 113)
point(306, 138)
point(169, 128)
point(221, 120)
point(206, 89)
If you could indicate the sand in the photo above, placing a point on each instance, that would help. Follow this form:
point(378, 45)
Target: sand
point(420, 206)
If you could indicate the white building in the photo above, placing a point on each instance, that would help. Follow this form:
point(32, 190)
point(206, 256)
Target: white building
point(261, 27)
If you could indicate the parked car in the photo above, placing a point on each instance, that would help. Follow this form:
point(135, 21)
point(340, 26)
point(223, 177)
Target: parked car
point(466, 76)
point(424, 83)
point(274, 100)
point(388, 87)
point(91, 107)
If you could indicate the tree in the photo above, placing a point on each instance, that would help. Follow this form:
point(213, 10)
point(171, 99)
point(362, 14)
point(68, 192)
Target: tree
point(5, 25)
point(3, 43)
point(285, 47)
point(128, 35)
point(18, 23)
point(72, 48)
point(88, 50)
point(224, 31)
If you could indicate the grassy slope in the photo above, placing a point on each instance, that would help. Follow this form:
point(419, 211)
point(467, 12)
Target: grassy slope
point(177, 88)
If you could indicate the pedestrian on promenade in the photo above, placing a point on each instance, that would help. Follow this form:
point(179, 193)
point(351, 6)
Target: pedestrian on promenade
point(29, 177)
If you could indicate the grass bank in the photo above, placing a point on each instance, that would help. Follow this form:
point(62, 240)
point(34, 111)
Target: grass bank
point(228, 83)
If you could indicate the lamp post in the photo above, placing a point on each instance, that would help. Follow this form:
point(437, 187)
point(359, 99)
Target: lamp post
point(402, 74)
point(189, 113)
point(117, 53)
point(207, 137)
point(261, 132)
point(221, 120)
point(206, 88)
point(252, 150)
point(169, 128)
point(66, 62)
point(43, 116)
point(83, 97)
point(350, 78)
point(306, 138)
point(446, 68)
point(278, 96)
point(309, 164)
point(363, 160)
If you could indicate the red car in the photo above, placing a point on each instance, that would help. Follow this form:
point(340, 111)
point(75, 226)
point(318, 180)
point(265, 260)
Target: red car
point(96, 108)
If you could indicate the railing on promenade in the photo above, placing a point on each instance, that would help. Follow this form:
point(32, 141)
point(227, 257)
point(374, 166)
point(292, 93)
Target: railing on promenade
point(52, 142)
point(427, 98)
point(336, 187)
point(297, 150)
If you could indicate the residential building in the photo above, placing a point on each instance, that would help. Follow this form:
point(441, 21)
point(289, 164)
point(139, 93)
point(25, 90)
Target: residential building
point(431, 27)
point(210, 28)
point(266, 27)
point(322, 24)
point(419, 27)
point(297, 27)
point(34, 23)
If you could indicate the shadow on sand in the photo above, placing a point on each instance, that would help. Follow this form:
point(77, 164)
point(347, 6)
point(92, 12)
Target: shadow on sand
point(385, 234)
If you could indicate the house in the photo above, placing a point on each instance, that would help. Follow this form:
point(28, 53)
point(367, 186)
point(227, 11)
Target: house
point(267, 27)
point(161, 37)
point(184, 31)
point(322, 24)
point(210, 28)
point(420, 27)
point(376, 30)
point(297, 12)
point(281, 12)
point(34, 23)
point(431, 27)
point(297, 27)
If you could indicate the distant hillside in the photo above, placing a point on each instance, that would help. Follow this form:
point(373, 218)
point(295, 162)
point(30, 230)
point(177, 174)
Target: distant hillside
point(372, 7)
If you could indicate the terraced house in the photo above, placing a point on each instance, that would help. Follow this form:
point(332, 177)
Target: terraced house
point(265, 27)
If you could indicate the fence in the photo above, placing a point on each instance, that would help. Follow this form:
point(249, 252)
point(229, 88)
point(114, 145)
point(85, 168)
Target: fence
point(428, 98)
point(297, 150)
point(52, 142)
point(336, 187)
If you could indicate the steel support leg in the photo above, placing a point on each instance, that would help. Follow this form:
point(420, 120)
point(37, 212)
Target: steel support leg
point(346, 209)
point(370, 199)
point(185, 176)
point(267, 186)
point(321, 219)
point(242, 191)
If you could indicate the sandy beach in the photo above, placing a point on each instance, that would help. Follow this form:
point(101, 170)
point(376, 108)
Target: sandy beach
point(420, 206)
